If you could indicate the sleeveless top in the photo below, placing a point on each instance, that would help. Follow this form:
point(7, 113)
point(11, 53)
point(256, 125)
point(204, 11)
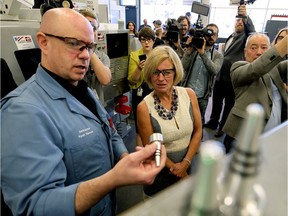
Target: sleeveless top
point(175, 139)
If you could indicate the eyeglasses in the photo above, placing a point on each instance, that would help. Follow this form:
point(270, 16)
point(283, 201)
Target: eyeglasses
point(144, 40)
point(75, 44)
point(165, 73)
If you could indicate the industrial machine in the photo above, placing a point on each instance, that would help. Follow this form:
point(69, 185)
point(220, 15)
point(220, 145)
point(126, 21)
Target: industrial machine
point(115, 45)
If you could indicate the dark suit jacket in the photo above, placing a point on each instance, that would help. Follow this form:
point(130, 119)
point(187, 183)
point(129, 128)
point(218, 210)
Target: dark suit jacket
point(235, 52)
point(251, 83)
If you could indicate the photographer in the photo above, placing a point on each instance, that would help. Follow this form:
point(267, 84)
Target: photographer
point(201, 64)
point(173, 36)
point(223, 89)
point(184, 23)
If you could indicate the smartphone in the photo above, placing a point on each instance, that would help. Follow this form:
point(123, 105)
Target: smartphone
point(142, 57)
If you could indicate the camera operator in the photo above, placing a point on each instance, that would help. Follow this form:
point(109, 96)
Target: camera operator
point(172, 36)
point(223, 89)
point(184, 23)
point(201, 63)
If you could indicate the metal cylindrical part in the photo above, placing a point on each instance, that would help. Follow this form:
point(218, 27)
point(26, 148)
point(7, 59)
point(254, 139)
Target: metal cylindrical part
point(157, 138)
point(204, 199)
point(239, 197)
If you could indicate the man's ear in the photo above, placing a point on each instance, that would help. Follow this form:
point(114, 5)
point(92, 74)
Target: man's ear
point(42, 41)
point(245, 50)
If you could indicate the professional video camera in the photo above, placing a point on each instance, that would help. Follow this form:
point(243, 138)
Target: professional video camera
point(241, 2)
point(46, 5)
point(173, 28)
point(198, 32)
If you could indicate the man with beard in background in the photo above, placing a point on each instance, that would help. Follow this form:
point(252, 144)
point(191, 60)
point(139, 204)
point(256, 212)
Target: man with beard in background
point(223, 89)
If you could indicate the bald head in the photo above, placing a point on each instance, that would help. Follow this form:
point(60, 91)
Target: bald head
point(65, 40)
point(65, 22)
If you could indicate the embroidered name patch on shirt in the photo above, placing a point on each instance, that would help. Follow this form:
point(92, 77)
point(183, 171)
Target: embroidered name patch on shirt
point(85, 132)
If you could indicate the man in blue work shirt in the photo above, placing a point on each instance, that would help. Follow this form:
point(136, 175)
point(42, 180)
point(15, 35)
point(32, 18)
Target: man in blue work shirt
point(59, 147)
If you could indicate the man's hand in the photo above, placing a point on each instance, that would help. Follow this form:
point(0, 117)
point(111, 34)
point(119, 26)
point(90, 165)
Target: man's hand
point(139, 167)
point(242, 10)
point(201, 50)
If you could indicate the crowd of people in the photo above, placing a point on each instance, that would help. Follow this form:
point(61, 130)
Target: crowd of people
point(67, 151)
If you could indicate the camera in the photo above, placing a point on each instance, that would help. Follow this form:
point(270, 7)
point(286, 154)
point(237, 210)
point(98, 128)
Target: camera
point(173, 28)
point(241, 2)
point(198, 32)
point(198, 35)
point(46, 5)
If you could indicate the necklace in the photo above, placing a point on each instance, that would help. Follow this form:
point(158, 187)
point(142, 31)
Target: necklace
point(162, 111)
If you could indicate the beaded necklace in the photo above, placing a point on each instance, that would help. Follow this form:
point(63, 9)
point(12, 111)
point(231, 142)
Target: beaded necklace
point(162, 111)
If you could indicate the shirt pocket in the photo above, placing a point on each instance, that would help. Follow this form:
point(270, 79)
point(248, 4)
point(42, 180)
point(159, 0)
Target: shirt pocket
point(90, 157)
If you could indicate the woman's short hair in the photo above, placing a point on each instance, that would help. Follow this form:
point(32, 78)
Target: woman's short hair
point(146, 32)
point(158, 55)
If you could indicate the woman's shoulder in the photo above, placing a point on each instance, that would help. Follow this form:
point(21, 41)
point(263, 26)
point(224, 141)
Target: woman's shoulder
point(149, 98)
point(184, 90)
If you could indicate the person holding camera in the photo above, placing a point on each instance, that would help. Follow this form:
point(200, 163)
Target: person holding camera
point(184, 22)
point(223, 89)
point(201, 63)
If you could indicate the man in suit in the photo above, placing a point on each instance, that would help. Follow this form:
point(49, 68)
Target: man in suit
point(257, 80)
point(223, 90)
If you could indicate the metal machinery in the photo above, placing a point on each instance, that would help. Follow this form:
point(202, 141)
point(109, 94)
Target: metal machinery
point(115, 45)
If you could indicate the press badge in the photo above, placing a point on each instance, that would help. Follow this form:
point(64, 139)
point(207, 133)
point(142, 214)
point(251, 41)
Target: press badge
point(139, 91)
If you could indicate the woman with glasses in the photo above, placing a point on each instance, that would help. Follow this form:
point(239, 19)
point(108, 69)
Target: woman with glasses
point(172, 111)
point(137, 61)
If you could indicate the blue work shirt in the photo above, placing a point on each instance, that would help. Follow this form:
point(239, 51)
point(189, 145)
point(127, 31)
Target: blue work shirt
point(50, 143)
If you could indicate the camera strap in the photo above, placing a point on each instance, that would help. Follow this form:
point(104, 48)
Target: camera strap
point(188, 74)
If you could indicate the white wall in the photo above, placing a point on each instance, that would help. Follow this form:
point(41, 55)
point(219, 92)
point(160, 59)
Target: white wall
point(115, 11)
